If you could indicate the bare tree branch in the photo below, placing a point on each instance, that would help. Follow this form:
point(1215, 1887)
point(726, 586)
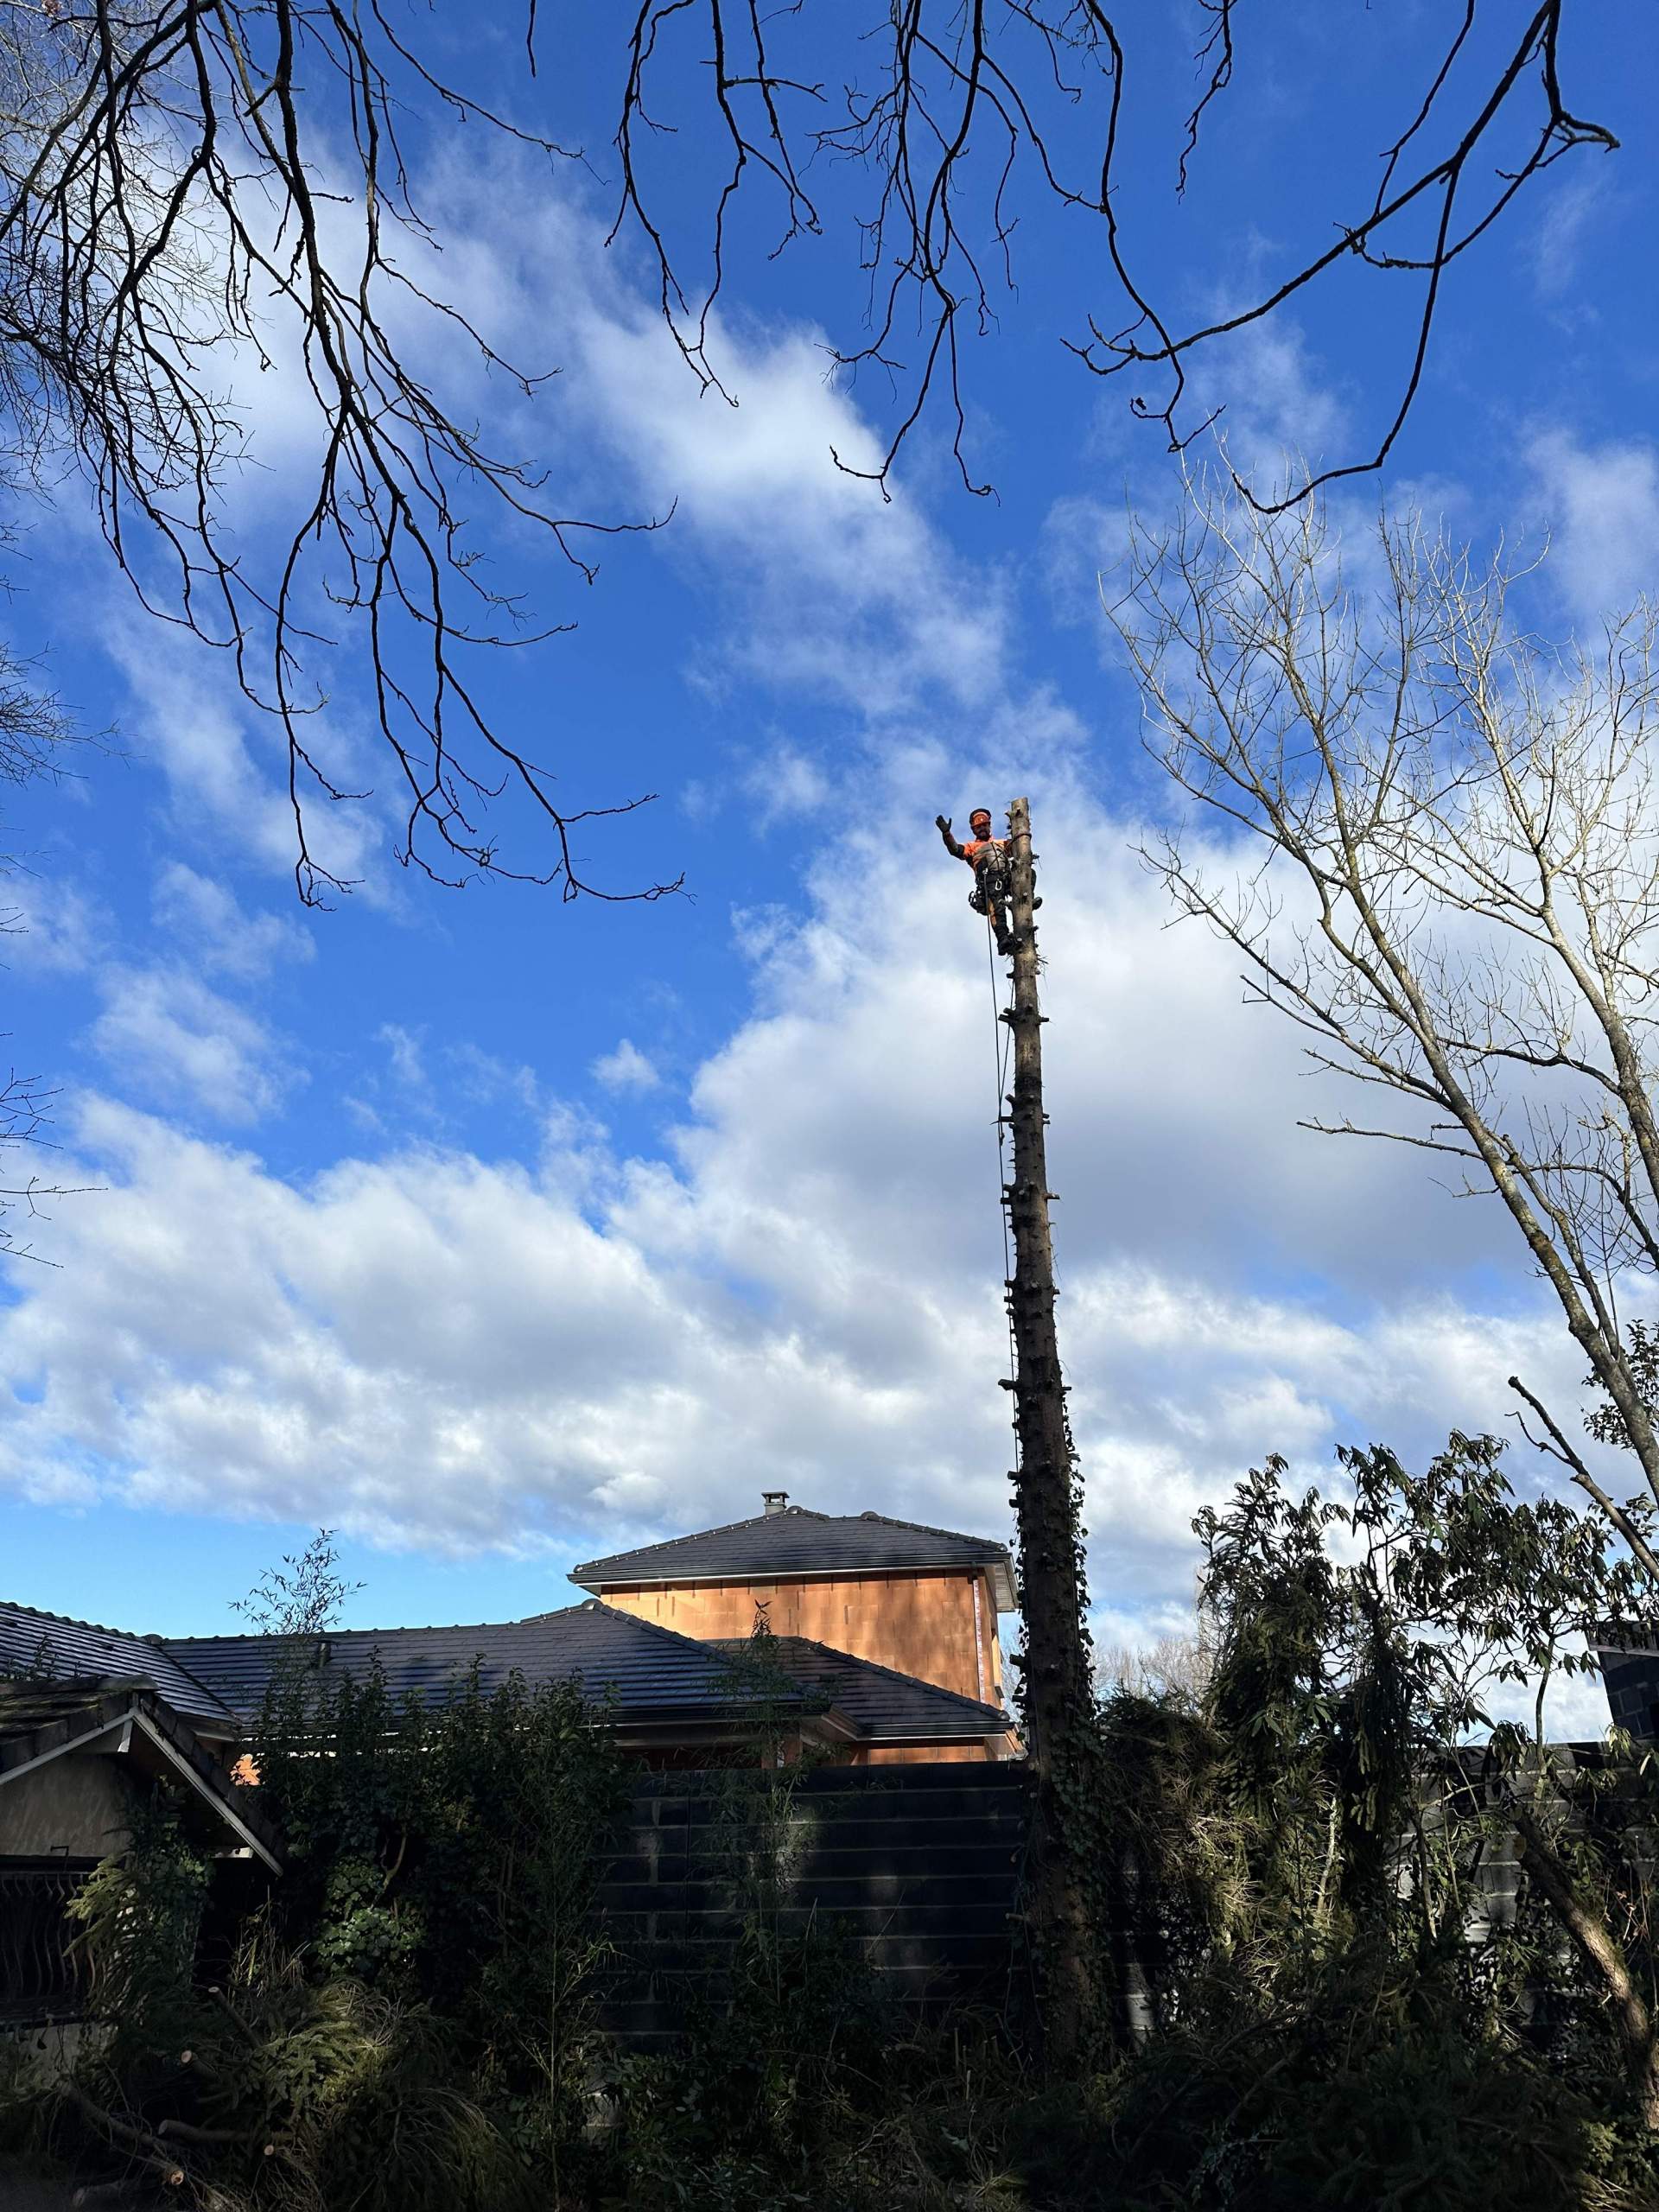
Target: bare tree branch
point(1457, 896)
point(948, 104)
point(1556, 1445)
point(174, 198)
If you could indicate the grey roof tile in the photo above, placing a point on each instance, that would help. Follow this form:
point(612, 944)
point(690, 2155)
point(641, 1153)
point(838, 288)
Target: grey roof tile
point(795, 1542)
point(52, 1644)
point(644, 1667)
point(218, 1681)
point(881, 1703)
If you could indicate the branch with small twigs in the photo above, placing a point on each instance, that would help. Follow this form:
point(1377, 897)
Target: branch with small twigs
point(182, 183)
point(1556, 1445)
point(949, 105)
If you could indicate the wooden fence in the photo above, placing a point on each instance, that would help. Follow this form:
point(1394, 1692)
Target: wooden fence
point(918, 1866)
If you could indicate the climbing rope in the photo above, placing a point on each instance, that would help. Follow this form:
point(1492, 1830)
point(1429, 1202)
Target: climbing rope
point(1002, 1044)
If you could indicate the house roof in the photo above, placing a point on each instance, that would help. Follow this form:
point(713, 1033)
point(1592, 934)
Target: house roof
point(649, 1669)
point(883, 1705)
point(798, 1541)
point(51, 1647)
point(45, 1719)
point(657, 1677)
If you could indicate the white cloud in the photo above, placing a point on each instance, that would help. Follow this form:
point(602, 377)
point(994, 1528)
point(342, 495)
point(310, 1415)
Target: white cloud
point(188, 1048)
point(785, 786)
point(1558, 237)
point(205, 916)
point(406, 1051)
point(832, 590)
point(1601, 505)
point(169, 1035)
point(1281, 415)
point(488, 1080)
point(225, 763)
point(429, 1347)
point(187, 722)
point(51, 928)
point(627, 1069)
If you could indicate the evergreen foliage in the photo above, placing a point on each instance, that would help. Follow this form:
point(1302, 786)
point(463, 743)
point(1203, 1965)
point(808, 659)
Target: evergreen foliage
point(1290, 1855)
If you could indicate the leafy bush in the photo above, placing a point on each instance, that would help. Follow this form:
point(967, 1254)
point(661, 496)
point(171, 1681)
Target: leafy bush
point(406, 2024)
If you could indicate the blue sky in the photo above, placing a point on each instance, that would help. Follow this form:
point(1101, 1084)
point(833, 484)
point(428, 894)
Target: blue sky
point(496, 1232)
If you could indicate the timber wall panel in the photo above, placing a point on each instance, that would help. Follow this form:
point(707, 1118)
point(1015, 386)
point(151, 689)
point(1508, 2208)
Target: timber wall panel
point(919, 1867)
point(920, 1624)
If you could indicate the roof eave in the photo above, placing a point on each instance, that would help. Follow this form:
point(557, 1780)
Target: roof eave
point(691, 1731)
point(1001, 1573)
point(911, 1739)
point(110, 1725)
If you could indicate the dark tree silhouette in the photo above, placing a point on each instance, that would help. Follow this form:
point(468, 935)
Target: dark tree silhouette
point(945, 104)
point(186, 181)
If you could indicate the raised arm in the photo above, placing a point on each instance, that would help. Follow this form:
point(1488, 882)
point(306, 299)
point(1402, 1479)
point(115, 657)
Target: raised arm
point(941, 823)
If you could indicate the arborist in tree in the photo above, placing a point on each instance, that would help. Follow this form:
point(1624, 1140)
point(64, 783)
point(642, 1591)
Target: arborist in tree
point(987, 856)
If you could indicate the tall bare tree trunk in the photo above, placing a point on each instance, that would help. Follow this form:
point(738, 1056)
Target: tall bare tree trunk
point(1059, 1694)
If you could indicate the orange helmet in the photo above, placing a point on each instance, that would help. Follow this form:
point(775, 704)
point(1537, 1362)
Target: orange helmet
point(980, 814)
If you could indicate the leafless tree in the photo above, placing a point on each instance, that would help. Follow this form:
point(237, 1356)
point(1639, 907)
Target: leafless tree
point(1455, 892)
point(1169, 1667)
point(1455, 896)
point(948, 106)
point(186, 183)
point(24, 1113)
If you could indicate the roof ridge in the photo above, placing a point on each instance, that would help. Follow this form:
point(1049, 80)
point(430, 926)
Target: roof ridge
point(70, 1620)
point(190, 1676)
point(661, 1556)
point(129, 1636)
point(696, 1535)
point(928, 1528)
point(410, 1628)
point(87, 1684)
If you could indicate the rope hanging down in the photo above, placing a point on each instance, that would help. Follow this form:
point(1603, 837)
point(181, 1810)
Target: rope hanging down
point(1001, 1044)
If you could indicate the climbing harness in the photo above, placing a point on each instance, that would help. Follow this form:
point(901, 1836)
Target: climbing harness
point(989, 895)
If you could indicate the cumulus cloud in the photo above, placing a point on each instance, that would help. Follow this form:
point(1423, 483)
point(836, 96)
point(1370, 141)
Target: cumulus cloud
point(1559, 239)
point(407, 1054)
point(802, 1288)
point(426, 1346)
point(225, 762)
point(204, 915)
point(164, 1031)
point(52, 929)
point(784, 785)
point(830, 590)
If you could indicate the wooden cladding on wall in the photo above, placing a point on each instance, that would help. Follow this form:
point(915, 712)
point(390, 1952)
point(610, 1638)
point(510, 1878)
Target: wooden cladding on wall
point(920, 1624)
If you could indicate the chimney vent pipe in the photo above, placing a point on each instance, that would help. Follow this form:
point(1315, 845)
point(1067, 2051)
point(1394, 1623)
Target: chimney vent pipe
point(774, 1500)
